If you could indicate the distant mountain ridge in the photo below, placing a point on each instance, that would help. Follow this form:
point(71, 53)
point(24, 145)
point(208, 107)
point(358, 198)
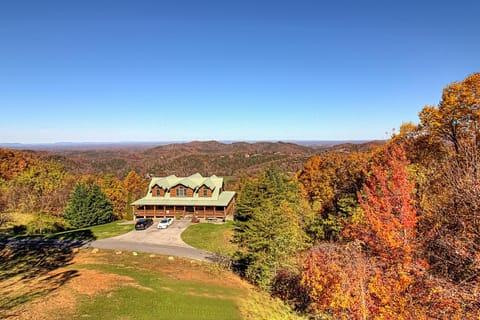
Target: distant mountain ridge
point(220, 147)
point(183, 159)
point(146, 144)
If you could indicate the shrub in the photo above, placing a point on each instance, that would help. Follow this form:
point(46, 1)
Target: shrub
point(43, 223)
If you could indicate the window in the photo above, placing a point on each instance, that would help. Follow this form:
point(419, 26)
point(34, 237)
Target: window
point(205, 192)
point(181, 192)
point(158, 192)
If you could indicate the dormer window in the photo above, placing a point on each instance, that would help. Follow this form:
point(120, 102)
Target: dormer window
point(204, 192)
point(157, 192)
point(181, 192)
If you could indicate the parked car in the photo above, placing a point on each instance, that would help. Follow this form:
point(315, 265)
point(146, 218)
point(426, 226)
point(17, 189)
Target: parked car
point(143, 224)
point(164, 223)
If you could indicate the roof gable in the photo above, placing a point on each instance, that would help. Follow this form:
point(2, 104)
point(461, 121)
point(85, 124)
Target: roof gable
point(194, 182)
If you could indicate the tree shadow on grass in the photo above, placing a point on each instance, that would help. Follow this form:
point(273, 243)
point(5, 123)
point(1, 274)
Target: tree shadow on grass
point(29, 268)
point(84, 235)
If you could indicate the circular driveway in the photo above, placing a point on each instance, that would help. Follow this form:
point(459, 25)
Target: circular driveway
point(169, 236)
point(153, 240)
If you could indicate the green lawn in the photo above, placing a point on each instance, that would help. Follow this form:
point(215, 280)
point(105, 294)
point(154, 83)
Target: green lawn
point(111, 229)
point(178, 289)
point(62, 283)
point(160, 297)
point(102, 231)
point(22, 221)
point(211, 237)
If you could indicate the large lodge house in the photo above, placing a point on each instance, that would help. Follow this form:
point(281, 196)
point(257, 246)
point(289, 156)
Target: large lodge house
point(196, 196)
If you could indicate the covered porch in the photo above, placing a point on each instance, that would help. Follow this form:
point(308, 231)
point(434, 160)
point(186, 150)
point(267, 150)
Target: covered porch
point(181, 211)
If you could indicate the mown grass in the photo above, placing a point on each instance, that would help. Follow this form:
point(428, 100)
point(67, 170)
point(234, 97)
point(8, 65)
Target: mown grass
point(106, 284)
point(177, 289)
point(211, 237)
point(161, 298)
point(28, 271)
point(21, 222)
point(102, 231)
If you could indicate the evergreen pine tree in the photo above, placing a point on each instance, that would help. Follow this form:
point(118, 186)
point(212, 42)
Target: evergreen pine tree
point(101, 210)
point(87, 206)
point(268, 226)
point(76, 208)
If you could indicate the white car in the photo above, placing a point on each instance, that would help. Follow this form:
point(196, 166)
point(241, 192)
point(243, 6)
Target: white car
point(164, 223)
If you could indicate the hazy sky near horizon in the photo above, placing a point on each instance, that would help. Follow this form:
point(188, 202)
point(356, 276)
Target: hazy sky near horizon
point(227, 70)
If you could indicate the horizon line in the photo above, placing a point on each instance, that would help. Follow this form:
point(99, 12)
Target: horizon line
point(188, 141)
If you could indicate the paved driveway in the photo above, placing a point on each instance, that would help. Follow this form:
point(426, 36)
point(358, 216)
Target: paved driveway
point(153, 240)
point(169, 236)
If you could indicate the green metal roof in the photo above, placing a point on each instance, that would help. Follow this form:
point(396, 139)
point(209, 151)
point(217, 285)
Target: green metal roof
point(194, 182)
point(222, 201)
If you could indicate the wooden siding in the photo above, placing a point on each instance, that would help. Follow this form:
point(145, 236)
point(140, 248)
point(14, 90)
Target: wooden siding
point(188, 191)
point(229, 208)
point(200, 191)
point(158, 211)
point(154, 191)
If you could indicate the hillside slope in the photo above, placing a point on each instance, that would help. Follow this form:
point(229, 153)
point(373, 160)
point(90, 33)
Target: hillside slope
point(182, 159)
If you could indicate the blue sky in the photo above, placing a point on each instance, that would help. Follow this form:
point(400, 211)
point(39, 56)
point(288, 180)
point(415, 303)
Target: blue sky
point(227, 70)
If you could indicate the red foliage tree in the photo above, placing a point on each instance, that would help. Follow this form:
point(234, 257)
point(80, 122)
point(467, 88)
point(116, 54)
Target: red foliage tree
point(387, 200)
point(389, 232)
point(378, 282)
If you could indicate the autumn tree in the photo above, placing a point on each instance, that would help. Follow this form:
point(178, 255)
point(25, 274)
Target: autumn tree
point(135, 188)
point(389, 231)
point(14, 162)
point(387, 201)
point(115, 190)
point(372, 277)
point(330, 183)
point(456, 119)
point(420, 147)
point(445, 151)
point(43, 186)
point(419, 257)
point(335, 278)
point(450, 224)
point(449, 188)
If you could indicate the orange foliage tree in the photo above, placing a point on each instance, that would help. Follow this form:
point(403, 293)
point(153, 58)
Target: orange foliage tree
point(389, 232)
point(387, 200)
point(335, 278)
point(135, 188)
point(457, 117)
point(377, 282)
point(115, 191)
point(329, 183)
